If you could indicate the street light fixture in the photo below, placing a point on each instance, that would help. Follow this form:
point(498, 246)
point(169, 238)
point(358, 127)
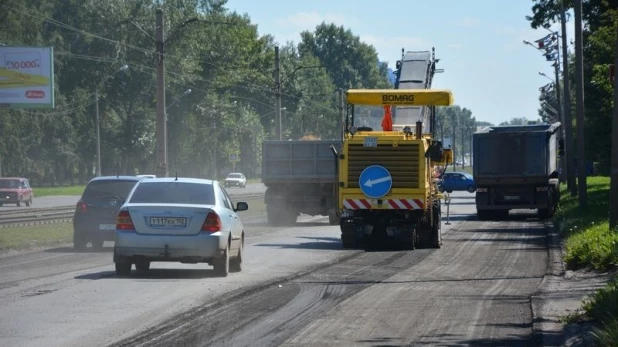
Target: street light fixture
point(98, 119)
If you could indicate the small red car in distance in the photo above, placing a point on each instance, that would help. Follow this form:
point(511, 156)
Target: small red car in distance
point(15, 190)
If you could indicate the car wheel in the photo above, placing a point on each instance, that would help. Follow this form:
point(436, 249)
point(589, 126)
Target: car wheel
point(123, 268)
point(142, 265)
point(222, 265)
point(97, 243)
point(79, 242)
point(236, 263)
point(18, 204)
point(29, 202)
point(471, 189)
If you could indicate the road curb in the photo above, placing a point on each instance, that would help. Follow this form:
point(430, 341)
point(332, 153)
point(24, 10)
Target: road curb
point(547, 331)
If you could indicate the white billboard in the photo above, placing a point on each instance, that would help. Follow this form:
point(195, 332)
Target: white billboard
point(26, 77)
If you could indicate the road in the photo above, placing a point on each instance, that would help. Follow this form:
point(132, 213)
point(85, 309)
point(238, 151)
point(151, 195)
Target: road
point(298, 288)
point(61, 200)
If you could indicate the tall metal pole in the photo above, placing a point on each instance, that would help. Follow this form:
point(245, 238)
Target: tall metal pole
point(277, 94)
point(613, 204)
point(569, 153)
point(341, 113)
point(161, 124)
point(97, 122)
point(560, 110)
point(579, 105)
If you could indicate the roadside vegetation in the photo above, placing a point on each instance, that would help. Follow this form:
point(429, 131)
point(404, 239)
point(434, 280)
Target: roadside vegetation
point(35, 236)
point(589, 243)
point(588, 240)
point(64, 190)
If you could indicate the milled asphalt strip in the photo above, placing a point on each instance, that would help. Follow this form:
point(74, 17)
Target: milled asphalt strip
point(152, 335)
point(547, 332)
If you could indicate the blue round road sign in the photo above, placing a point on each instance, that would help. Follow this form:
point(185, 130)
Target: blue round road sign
point(375, 181)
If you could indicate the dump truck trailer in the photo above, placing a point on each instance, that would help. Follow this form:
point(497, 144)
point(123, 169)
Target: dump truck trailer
point(515, 167)
point(300, 177)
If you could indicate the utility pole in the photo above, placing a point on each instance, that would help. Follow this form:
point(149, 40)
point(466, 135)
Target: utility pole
point(579, 105)
point(340, 121)
point(613, 204)
point(569, 153)
point(560, 111)
point(97, 122)
point(277, 93)
point(161, 124)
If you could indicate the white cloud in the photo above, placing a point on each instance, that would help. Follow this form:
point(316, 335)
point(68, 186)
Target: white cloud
point(468, 22)
point(389, 48)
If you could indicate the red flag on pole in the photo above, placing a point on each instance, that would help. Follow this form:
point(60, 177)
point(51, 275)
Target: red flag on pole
point(387, 121)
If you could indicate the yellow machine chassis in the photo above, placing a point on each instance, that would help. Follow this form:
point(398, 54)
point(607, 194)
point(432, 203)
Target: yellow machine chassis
point(425, 190)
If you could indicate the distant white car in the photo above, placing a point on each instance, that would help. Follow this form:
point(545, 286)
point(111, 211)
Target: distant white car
point(185, 220)
point(147, 176)
point(235, 179)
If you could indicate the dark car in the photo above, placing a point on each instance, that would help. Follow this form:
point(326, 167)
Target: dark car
point(457, 181)
point(95, 214)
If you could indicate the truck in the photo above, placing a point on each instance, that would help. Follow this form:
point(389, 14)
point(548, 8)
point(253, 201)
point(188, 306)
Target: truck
point(515, 167)
point(387, 192)
point(300, 177)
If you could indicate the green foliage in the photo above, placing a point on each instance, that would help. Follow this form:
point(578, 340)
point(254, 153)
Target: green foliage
point(458, 124)
point(53, 191)
point(603, 307)
point(588, 240)
point(599, 32)
point(215, 52)
point(45, 235)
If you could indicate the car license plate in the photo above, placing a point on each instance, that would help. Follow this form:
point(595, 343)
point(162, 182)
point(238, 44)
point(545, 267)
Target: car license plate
point(371, 141)
point(168, 221)
point(511, 197)
point(107, 226)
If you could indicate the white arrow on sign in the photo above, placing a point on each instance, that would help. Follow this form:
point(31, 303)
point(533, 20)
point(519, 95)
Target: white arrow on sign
point(370, 183)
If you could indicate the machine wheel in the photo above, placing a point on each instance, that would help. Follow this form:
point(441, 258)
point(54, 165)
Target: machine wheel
point(437, 226)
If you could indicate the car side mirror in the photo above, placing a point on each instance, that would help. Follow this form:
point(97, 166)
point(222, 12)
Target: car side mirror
point(241, 206)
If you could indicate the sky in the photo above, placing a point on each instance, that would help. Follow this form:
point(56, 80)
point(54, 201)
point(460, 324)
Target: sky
point(479, 43)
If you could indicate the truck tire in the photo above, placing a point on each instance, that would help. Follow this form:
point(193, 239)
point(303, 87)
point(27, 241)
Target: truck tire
point(544, 213)
point(333, 219)
point(437, 226)
point(483, 214)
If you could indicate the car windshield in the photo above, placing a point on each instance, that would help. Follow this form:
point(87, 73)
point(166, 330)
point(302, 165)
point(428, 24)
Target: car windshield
point(234, 176)
point(174, 193)
point(108, 189)
point(9, 184)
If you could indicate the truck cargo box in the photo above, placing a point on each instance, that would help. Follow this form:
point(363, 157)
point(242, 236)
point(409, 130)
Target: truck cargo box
point(509, 152)
point(299, 161)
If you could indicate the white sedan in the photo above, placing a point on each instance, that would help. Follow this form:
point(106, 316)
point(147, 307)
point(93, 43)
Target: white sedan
point(183, 220)
point(235, 179)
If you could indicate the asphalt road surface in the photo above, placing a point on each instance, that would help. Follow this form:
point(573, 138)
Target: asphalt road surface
point(298, 288)
point(54, 201)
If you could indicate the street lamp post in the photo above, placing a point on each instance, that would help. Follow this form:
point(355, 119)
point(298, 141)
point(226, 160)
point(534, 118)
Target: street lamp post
point(98, 119)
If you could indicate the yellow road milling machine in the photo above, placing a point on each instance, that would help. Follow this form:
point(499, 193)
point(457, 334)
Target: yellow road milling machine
point(387, 192)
